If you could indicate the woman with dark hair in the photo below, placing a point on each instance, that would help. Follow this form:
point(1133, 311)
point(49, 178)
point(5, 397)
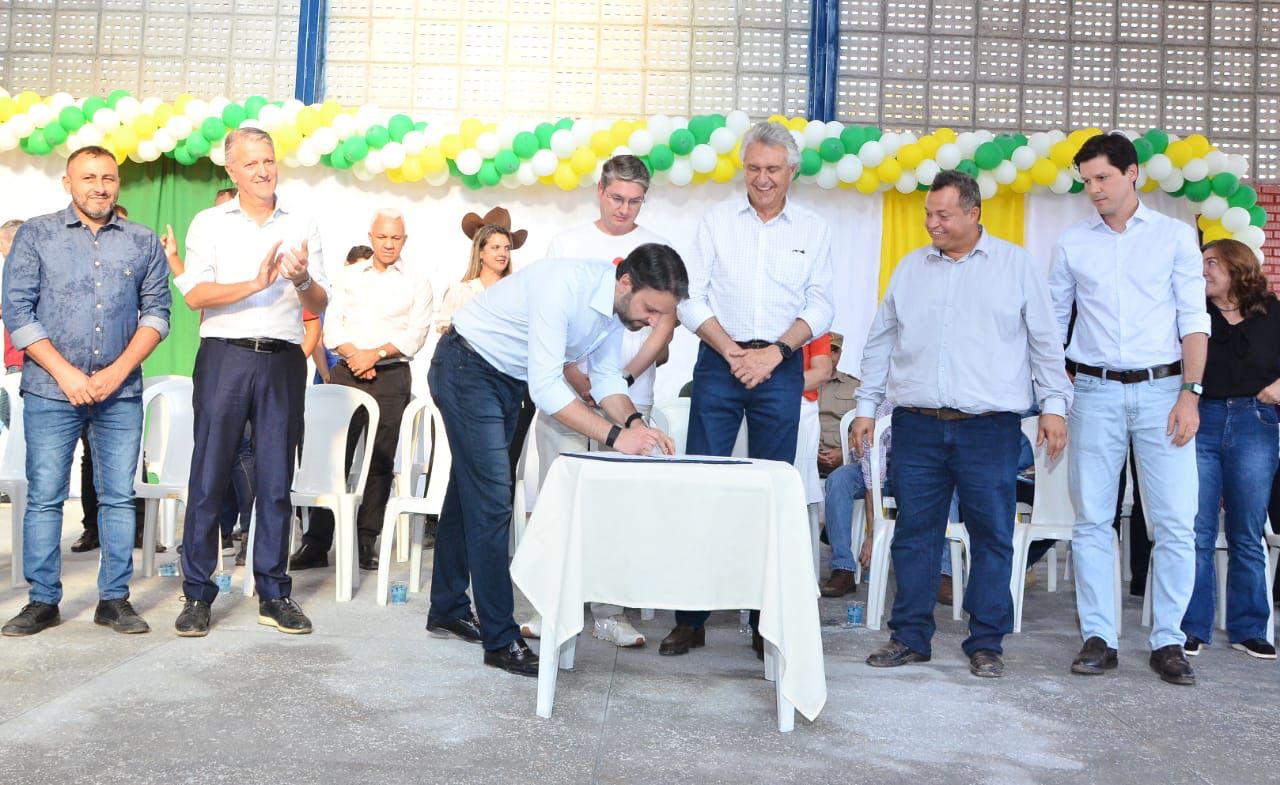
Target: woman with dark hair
point(1236, 448)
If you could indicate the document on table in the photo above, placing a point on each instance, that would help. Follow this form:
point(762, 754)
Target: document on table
point(618, 457)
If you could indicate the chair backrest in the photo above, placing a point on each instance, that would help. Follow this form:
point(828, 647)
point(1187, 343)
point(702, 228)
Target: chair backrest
point(672, 418)
point(441, 462)
point(846, 422)
point(167, 413)
point(1051, 505)
point(413, 448)
point(877, 471)
point(13, 460)
point(321, 469)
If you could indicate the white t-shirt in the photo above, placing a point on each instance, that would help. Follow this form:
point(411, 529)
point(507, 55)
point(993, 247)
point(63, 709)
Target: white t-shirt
point(588, 242)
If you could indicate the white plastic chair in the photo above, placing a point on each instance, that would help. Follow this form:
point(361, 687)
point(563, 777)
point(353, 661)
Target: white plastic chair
point(167, 411)
point(321, 480)
point(859, 506)
point(413, 453)
point(672, 418)
point(881, 532)
point(519, 507)
point(13, 472)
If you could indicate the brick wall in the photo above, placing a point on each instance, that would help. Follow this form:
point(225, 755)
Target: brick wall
point(1269, 197)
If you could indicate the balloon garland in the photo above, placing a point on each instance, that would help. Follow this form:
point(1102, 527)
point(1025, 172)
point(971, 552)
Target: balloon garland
point(568, 154)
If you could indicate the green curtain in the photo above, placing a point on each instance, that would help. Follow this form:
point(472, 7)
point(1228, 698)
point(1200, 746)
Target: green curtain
point(159, 194)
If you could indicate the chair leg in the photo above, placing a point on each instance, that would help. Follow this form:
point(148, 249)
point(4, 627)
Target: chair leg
point(1146, 597)
point(1051, 583)
point(1220, 609)
point(18, 510)
point(1021, 544)
point(859, 533)
point(391, 522)
point(248, 553)
point(343, 546)
point(881, 538)
point(418, 532)
point(1118, 571)
point(149, 511)
point(958, 552)
point(813, 538)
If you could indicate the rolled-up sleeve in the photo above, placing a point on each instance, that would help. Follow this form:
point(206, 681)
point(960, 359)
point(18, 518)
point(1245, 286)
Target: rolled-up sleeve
point(22, 290)
point(1188, 283)
point(154, 300)
point(200, 258)
point(697, 308)
point(549, 305)
point(606, 368)
point(819, 310)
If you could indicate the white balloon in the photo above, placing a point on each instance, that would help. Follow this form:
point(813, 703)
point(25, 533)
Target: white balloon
point(1142, 180)
point(510, 181)
point(563, 143)
point(1057, 135)
point(681, 172)
point(908, 137)
point(324, 139)
point(871, 154)
point(722, 140)
point(128, 108)
point(926, 171)
point(432, 136)
point(196, 109)
point(7, 139)
point(361, 172)
point(163, 140)
point(1023, 157)
point(641, 141)
point(1238, 165)
point(1062, 183)
point(4, 93)
point(678, 122)
point(621, 149)
point(1217, 161)
point(1040, 143)
point(90, 135)
point(968, 143)
point(906, 183)
point(506, 131)
point(890, 143)
point(291, 109)
point(307, 154)
point(737, 121)
point(1214, 207)
point(987, 185)
point(834, 129)
point(660, 126)
point(1252, 236)
point(487, 144)
point(984, 136)
point(1173, 181)
point(149, 104)
point(374, 162)
point(948, 156)
point(1195, 169)
point(271, 117)
point(148, 151)
point(392, 155)
point(414, 142)
point(814, 132)
point(41, 115)
point(1006, 172)
point(216, 104)
point(580, 133)
point(1159, 166)
point(544, 163)
point(702, 158)
point(218, 155)
point(179, 126)
point(849, 168)
point(344, 125)
point(798, 136)
point(437, 179)
point(525, 173)
point(826, 176)
point(367, 115)
point(22, 127)
point(469, 161)
point(1235, 219)
point(59, 101)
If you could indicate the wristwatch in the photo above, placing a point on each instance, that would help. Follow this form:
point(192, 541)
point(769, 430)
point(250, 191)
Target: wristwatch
point(634, 416)
point(382, 354)
point(305, 285)
point(785, 349)
point(1195, 388)
point(614, 433)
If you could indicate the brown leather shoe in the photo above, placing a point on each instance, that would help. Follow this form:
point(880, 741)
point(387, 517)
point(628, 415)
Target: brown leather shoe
point(1172, 665)
point(944, 591)
point(681, 639)
point(839, 584)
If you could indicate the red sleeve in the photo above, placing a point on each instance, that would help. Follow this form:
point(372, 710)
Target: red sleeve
point(308, 316)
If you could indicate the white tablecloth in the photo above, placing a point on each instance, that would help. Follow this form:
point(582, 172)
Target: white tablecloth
point(685, 536)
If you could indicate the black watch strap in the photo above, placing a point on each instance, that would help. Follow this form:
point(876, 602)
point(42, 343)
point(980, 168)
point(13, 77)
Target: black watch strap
point(614, 433)
point(634, 416)
point(785, 349)
point(630, 379)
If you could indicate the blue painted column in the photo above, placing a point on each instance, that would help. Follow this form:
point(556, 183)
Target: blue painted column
point(824, 56)
point(312, 30)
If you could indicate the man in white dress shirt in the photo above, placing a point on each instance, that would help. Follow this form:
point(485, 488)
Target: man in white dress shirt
point(759, 290)
point(963, 343)
point(377, 321)
point(253, 264)
point(624, 181)
point(1138, 351)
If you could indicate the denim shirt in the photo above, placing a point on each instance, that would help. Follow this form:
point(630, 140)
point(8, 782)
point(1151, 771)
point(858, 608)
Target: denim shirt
point(87, 294)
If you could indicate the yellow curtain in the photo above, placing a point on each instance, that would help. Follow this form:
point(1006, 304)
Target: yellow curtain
point(902, 225)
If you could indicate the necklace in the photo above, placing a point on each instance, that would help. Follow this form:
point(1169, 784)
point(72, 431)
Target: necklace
point(1229, 310)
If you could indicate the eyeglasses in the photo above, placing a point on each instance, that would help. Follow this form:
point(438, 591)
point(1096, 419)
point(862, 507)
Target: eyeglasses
point(618, 201)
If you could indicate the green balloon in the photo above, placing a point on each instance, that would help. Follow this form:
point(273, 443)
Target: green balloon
point(1019, 140)
point(873, 133)
point(564, 123)
point(92, 105)
point(853, 138)
point(1181, 192)
point(644, 159)
point(1143, 147)
point(420, 126)
point(183, 156)
point(661, 157)
point(810, 161)
point(489, 174)
point(682, 141)
point(54, 134)
point(253, 105)
point(453, 168)
point(377, 136)
point(1244, 196)
point(70, 118)
point(471, 181)
point(1007, 145)
point(717, 121)
point(1198, 190)
point(233, 115)
point(701, 128)
point(337, 160)
point(355, 148)
point(398, 126)
point(197, 145)
point(1076, 186)
point(1225, 184)
point(968, 167)
point(115, 97)
point(506, 161)
point(1258, 216)
point(212, 128)
point(1159, 139)
point(988, 155)
point(525, 144)
point(543, 134)
point(831, 150)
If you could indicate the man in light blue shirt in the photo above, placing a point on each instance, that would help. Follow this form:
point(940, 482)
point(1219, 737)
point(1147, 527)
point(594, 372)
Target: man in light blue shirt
point(517, 335)
point(964, 342)
point(1138, 351)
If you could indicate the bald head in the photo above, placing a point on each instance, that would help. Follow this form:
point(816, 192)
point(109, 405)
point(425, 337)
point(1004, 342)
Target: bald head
point(387, 237)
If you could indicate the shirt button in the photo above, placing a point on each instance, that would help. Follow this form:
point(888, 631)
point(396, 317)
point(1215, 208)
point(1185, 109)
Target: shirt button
point(95, 351)
point(98, 306)
point(97, 263)
point(97, 329)
point(97, 283)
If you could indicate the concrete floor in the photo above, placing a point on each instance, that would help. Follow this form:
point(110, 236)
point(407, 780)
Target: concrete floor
point(370, 697)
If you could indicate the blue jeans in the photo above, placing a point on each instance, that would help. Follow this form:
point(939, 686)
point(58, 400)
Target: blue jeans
point(237, 502)
point(52, 429)
point(843, 487)
point(1236, 456)
point(932, 459)
point(480, 407)
point(1105, 416)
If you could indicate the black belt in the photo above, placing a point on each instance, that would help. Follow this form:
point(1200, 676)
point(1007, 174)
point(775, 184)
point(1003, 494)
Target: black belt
point(462, 343)
point(1127, 377)
point(261, 345)
point(756, 344)
point(945, 414)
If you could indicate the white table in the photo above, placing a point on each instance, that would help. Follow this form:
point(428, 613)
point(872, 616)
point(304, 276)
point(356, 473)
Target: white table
point(680, 535)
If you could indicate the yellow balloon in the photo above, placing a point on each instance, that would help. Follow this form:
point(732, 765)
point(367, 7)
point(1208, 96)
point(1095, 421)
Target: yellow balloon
point(433, 160)
point(1206, 223)
point(700, 177)
point(797, 123)
point(910, 156)
point(163, 114)
point(395, 176)
point(844, 185)
point(470, 130)
point(8, 108)
point(1199, 145)
point(583, 160)
point(329, 110)
point(180, 103)
point(308, 119)
point(725, 169)
point(124, 140)
point(868, 183)
point(121, 157)
point(944, 136)
point(565, 178)
point(1044, 172)
point(1179, 152)
point(622, 129)
point(411, 169)
point(27, 99)
point(928, 146)
point(1022, 182)
point(1150, 185)
point(287, 138)
point(602, 145)
point(1217, 233)
point(889, 170)
point(144, 126)
point(778, 118)
point(1061, 154)
point(451, 145)
point(548, 180)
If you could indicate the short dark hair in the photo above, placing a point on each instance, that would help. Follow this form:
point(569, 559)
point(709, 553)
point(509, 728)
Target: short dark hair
point(1115, 147)
point(231, 192)
point(970, 194)
point(359, 252)
point(658, 267)
point(626, 168)
point(91, 150)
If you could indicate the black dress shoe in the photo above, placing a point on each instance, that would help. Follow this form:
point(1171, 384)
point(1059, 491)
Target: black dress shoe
point(87, 542)
point(1172, 665)
point(193, 622)
point(243, 552)
point(285, 615)
point(120, 616)
point(895, 653)
point(1095, 657)
point(681, 639)
point(368, 557)
point(308, 556)
point(987, 664)
point(467, 629)
point(137, 541)
point(516, 657)
point(33, 618)
point(757, 644)
point(839, 584)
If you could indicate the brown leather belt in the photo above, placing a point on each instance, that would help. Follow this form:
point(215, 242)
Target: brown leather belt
point(260, 345)
point(944, 414)
point(1127, 377)
point(756, 344)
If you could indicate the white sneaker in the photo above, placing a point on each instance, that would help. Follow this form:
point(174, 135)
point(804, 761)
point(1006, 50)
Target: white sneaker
point(618, 631)
point(532, 628)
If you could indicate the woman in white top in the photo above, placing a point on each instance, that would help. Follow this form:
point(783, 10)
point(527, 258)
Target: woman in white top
point(491, 247)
